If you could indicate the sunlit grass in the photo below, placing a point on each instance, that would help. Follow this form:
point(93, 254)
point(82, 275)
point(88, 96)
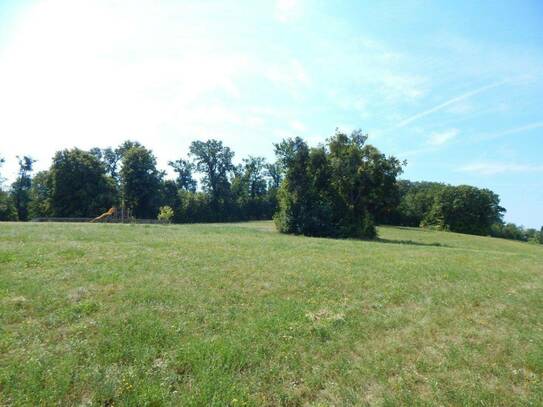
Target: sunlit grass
point(240, 315)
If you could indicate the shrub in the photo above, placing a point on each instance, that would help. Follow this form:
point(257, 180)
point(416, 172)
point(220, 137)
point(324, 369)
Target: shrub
point(165, 214)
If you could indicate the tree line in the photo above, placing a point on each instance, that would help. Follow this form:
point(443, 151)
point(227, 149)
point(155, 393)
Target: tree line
point(342, 188)
point(83, 184)
point(462, 209)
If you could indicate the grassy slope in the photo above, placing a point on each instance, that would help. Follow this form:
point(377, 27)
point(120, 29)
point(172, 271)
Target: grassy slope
point(238, 314)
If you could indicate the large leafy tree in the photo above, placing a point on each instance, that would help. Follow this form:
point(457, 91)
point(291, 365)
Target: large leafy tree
point(214, 161)
point(364, 179)
point(111, 158)
point(274, 173)
point(184, 169)
point(125, 146)
point(465, 209)
point(20, 189)
point(462, 208)
point(335, 190)
point(140, 181)
point(416, 200)
point(294, 196)
point(250, 189)
point(79, 186)
point(254, 176)
point(169, 194)
point(40, 196)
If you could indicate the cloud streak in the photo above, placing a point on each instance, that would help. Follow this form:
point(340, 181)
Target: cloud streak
point(515, 130)
point(451, 101)
point(493, 168)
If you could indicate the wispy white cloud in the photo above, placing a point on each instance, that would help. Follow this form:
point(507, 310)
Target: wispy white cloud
point(358, 68)
point(451, 101)
point(515, 130)
point(443, 137)
point(493, 168)
point(402, 86)
point(463, 108)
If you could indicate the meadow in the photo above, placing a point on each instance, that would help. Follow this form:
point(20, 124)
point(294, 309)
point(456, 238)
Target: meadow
point(240, 315)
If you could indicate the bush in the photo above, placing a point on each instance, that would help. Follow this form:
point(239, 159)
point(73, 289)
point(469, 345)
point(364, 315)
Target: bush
point(165, 214)
point(336, 190)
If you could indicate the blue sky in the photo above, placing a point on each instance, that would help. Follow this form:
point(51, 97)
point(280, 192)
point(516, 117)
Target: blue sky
point(456, 88)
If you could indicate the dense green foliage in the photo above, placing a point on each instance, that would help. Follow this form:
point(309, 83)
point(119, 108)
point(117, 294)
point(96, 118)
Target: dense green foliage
point(141, 182)
point(40, 196)
point(335, 190)
point(111, 157)
point(184, 169)
point(238, 315)
point(83, 183)
point(514, 232)
point(8, 211)
point(7, 208)
point(20, 189)
point(463, 208)
point(214, 160)
point(253, 195)
point(340, 189)
point(416, 201)
point(79, 186)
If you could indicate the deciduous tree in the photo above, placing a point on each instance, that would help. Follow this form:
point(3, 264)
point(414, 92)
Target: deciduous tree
point(140, 181)
point(214, 160)
point(20, 189)
point(184, 169)
point(40, 196)
point(79, 186)
point(337, 189)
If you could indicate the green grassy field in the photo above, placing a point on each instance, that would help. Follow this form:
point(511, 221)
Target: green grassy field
point(239, 315)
